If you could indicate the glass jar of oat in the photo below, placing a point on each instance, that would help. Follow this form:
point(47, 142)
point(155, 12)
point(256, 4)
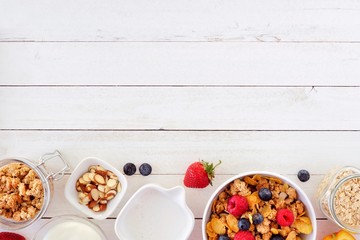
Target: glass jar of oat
point(339, 197)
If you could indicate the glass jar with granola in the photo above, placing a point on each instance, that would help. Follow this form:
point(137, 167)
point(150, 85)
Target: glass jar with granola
point(339, 197)
point(26, 189)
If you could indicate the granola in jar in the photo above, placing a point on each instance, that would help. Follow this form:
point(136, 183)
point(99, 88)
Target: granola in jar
point(21, 192)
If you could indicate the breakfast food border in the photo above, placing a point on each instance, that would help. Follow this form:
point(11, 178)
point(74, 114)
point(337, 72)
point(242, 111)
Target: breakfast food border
point(94, 184)
point(261, 85)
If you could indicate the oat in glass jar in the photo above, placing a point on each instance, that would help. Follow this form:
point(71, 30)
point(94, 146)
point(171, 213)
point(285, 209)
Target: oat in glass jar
point(339, 198)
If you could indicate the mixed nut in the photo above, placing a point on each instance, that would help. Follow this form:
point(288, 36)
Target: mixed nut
point(97, 187)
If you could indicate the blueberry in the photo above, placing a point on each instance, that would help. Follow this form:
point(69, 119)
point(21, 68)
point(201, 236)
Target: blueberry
point(303, 175)
point(257, 218)
point(129, 169)
point(244, 224)
point(276, 237)
point(265, 194)
point(145, 169)
point(223, 237)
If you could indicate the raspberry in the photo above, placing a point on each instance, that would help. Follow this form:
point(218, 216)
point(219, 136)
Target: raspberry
point(244, 235)
point(11, 236)
point(284, 217)
point(237, 205)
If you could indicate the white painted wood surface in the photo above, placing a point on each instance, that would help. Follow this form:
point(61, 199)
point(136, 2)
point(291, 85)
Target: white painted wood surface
point(268, 85)
point(172, 63)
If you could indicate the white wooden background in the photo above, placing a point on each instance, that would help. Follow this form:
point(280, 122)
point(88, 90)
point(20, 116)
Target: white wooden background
point(263, 84)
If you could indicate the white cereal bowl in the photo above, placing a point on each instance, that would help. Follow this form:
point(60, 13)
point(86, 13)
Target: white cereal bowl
point(301, 196)
point(72, 195)
point(154, 213)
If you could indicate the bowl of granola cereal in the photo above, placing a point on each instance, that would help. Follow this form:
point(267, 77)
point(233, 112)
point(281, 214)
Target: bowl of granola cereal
point(259, 205)
point(26, 190)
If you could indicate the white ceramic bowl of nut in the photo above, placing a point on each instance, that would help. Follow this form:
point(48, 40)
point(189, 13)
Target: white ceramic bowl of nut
point(261, 215)
point(95, 188)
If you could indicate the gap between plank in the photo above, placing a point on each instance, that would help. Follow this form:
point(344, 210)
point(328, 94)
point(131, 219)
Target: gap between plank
point(171, 86)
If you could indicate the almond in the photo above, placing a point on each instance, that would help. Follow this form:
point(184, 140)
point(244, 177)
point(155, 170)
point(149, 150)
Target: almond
point(86, 177)
point(102, 207)
point(118, 187)
point(99, 179)
point(85, 200)
point(98, 167)
point(94, 194)
point(92, 169)
point(89, 187)
point(101, 195)
point(110, 195)
point(112, 175)
point(107, 188)
point(78, 188)
point(102, 173)
point(97, 187)
point(82, 181)
point(96, 208)
point(101, 188)
point(92, 176)
point(92, 204)
point(82, 195)
point(111, 183)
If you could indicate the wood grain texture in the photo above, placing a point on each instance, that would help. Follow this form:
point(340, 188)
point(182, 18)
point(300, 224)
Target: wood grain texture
point(180, 20)
point(178, 63)
point(265, 85)
point(136, 108)
point(171, 152)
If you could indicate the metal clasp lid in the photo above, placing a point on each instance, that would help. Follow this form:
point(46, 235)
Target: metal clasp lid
point(55, 155)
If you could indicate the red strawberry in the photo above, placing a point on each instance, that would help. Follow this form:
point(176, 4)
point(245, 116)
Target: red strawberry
point(10, 236)
point(237, 205)
point(199, 174)
point(244, 235)
point(284, 217)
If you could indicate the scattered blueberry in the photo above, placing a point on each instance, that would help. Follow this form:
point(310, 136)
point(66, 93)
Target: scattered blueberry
point(244, 224)
point(276, 237)
point(223, 237)
point(145, 169)
point(303, 175)
point(129, 169)
point(265, 194)
point(257, 218)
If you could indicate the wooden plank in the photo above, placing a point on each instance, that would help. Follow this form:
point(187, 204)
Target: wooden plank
point(171, 152)
point(252, 64)
point(121, 108)
point(180, 20)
